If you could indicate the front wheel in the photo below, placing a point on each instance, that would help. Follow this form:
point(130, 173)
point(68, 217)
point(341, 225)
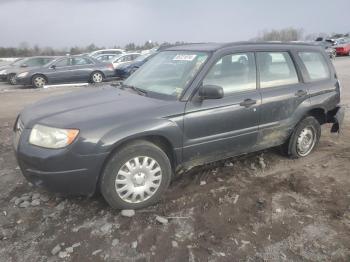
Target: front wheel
point(12, 79)
point(96, 77)
point(136, 176)
point(304, 138)
point(39, 81)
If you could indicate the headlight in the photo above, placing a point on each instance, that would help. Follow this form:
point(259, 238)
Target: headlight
point(22, 74)
point(51, 137)
point(3, 72)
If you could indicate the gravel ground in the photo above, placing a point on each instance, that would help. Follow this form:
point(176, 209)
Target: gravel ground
point(258, 207)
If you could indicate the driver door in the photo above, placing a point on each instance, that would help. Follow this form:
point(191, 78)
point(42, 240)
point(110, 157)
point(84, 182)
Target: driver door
point(219, 128)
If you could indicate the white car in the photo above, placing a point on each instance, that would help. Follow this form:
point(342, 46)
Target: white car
point(122, 59)
point(107, 51)
point(105, 57)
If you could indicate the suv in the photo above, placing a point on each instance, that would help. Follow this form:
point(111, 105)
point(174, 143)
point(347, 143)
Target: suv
point(189, 105)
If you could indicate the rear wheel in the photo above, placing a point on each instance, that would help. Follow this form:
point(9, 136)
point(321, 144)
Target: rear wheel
point(304, 138)
point(96, 77)
point(39, 81)
point(12, 79)
point(136, 176)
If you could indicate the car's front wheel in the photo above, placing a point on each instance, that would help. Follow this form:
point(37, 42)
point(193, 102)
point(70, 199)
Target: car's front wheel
point(136, 176)
point(96, 77)
point(304, 138)
point(39, 81)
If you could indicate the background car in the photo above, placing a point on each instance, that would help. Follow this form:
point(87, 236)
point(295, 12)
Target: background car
point(6, 65)
point(11, 71)
point(105, 57)
point(124, 58)
point(125, 70)
point(68, 69)
point(107, 51)
point(343, 46)
point(327, 45)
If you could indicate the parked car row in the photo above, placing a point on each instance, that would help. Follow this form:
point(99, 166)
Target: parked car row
point(94, 68)
point(340, 45)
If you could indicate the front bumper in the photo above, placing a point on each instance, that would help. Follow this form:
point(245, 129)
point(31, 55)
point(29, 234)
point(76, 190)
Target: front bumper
point(23, 80)
point(58, 170)
point(3, 77)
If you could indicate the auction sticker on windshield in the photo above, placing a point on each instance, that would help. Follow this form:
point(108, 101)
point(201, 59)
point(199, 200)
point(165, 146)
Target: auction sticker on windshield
point(184, 57)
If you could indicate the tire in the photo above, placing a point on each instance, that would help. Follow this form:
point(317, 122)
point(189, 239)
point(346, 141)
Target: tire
point(39, 81)
point(304, 138)
point(12, 79)
point(117, 176)
point(96, 77)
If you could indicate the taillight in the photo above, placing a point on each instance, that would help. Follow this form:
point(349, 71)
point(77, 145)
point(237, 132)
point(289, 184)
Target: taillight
point(110, 66)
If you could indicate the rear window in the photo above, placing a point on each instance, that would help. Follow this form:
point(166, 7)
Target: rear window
point(316, 65)
point(276, 69)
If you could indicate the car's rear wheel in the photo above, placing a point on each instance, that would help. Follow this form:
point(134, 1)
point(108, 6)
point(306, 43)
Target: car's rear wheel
point(96, 77)
point(12, 79)
point(304, 138)
point(39, 81)
point(136, 176)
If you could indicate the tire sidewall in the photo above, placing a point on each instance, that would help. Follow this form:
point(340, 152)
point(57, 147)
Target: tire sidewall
point(92, 77)
point(107, 183)
point(12, 79)
point(33, 81)
point(307, 121)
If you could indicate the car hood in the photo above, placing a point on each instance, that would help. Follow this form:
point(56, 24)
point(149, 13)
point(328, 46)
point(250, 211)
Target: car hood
point(102, 105)
point(5, 67)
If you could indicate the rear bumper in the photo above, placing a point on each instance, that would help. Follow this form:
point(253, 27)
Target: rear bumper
point(342, 52)
point(336, 116)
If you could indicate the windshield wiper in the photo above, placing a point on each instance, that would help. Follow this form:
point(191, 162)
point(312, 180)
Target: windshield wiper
point(134, 88)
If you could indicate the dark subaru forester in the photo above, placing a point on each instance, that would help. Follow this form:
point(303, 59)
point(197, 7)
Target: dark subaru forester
point(187, 106)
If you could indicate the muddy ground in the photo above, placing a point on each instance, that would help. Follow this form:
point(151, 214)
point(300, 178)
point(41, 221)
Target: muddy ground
point(259, 207)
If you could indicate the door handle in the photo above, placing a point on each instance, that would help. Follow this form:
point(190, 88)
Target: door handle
point(301, 93)
point(248, 102)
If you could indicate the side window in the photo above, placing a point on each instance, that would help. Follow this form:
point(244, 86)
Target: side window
point(34, 62)
point(276, 69)
point(316, 65)
point(63, 62)
point(80, 61)
point(234, 73)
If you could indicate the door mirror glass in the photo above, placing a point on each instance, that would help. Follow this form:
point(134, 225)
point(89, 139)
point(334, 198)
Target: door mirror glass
point(24, 65)
point(211, 92)
point(53, 67)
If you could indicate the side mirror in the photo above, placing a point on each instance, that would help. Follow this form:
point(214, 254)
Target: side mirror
point(53, 67)
point(211, 92)
point(24, 65)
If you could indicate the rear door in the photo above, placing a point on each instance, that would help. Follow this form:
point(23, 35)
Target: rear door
point(215, 129)
point(82, 68)
point(283, 93)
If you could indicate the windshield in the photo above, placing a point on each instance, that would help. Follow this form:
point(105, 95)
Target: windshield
point(168, 72)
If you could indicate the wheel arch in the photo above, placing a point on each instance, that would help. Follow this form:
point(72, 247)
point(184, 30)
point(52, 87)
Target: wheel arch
point(39, 74)
point(319, 113)
point(159, 140)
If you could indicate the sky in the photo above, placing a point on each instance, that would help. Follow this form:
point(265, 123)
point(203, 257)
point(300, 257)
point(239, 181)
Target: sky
point(67, 23)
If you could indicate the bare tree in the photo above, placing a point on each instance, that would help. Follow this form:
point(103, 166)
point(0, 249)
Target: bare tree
point(286, 34)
